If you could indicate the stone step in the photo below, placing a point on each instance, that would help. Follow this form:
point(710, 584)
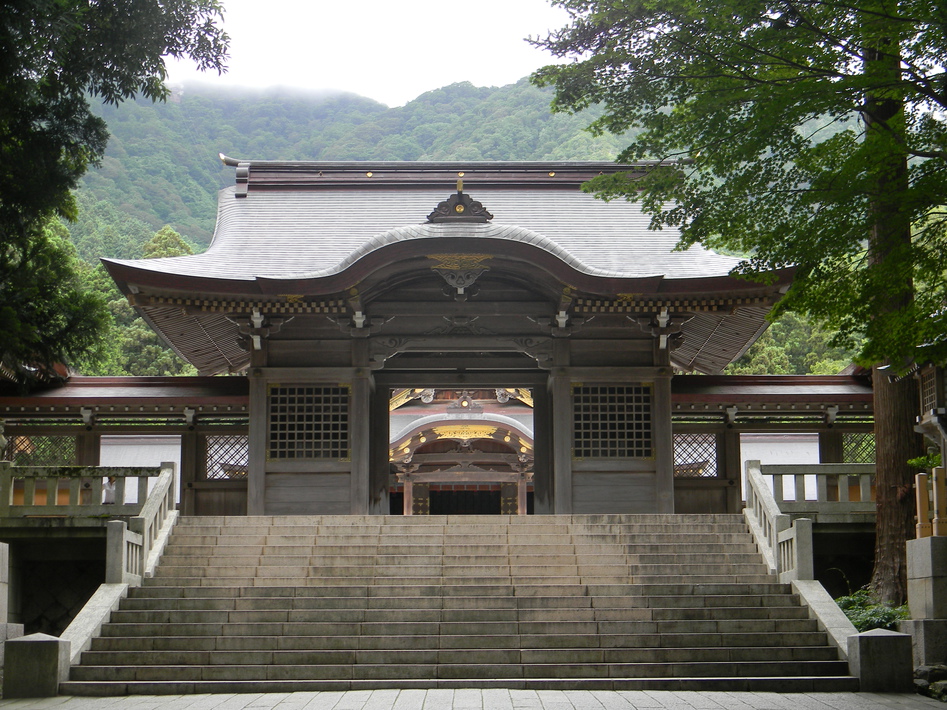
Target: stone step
point(234, 650)
point(184, 549)
point(649, 642)
point(277, 557)
point(777, 684)
point(402, 615)
point(502, 627)
point(749, 605)
point(522, 669)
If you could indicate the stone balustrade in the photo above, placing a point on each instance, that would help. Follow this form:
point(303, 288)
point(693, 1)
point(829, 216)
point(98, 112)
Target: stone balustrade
point(31, 491)
point(783, 502)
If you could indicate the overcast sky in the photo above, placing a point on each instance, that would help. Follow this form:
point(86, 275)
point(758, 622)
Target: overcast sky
point(388, 50)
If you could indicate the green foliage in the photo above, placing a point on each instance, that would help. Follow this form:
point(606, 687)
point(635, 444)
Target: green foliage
point(799, 149)
point(927, 462)
point(866, 613)
point(47, 317)
point(131, 347)
point(793, 345)
point(166, 243)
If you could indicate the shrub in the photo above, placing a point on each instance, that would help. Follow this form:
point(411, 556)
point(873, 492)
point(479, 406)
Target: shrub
point(866, 614)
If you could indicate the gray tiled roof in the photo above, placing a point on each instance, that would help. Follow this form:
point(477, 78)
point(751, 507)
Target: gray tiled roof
point(304, 234)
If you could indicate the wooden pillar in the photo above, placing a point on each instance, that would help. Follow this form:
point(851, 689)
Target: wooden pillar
point(360, 438)
point(380, 468)
point(543, 493)
point(560, 389)
point(830, 446)
point(408, 504)
point(88, 447)
point(192, 466)
point(731, 467)
point(521, 495)
point(256, 470)
point(663, 443)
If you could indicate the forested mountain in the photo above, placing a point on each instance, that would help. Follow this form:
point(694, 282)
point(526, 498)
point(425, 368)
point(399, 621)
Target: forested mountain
point(161, 165)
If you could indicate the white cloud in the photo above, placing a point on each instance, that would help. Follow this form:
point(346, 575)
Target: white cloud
point(388, 51)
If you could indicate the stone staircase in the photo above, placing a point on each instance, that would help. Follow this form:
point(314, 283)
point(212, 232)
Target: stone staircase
point(274, 604)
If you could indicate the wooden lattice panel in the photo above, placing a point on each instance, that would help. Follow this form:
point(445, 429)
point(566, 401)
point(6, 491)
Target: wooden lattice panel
point(858, 447)
point(695, 455)
point(612, 421)
point(41, 450)
point(308, 422)
point(928, 390)
point(227, 456)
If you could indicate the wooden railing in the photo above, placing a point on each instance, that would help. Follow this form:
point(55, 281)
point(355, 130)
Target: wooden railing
point(931, 494)
point(782, 524)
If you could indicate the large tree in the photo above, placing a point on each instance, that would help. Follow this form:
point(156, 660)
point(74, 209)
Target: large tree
point(56, 56)
point(802, 132)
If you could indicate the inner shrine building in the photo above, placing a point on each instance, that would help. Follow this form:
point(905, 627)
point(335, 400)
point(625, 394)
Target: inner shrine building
point(407, 327)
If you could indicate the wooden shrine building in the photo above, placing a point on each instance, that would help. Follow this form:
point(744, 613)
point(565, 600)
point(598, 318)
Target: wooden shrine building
point(405, 326)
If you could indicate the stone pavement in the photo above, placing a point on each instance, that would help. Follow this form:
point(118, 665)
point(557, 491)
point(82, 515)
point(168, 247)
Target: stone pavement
point(488, 699)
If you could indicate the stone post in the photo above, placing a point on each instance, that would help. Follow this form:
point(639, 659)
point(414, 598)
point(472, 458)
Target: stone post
point(34, 666)
point(927, 599)
point(882, 661)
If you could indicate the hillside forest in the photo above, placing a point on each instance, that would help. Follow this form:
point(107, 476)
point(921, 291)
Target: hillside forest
point(155, 192)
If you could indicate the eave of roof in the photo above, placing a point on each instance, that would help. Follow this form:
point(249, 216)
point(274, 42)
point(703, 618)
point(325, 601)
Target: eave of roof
point(135, 391)
point(766, 389)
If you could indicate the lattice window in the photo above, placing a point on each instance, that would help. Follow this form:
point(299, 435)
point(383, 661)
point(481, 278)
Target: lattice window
point(41, 450)
point(612, 421)
point(227, 456)
point(928, 389)
point(695, 455)
point(858, 447)
point(308, 422)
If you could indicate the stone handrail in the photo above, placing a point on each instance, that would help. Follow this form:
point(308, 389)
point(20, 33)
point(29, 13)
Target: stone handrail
point(132, 552)
point(83, 486)
point(776, 519)
point(763, 516)
point(129, 545)
point(837, 477)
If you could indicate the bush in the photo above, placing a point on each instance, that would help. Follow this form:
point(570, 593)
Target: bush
point(867, 614)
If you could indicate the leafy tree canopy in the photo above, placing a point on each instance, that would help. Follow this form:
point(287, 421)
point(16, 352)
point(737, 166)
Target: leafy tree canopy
point(54, 55)
point(46, 315)
point(809, 134)
point(793, 119)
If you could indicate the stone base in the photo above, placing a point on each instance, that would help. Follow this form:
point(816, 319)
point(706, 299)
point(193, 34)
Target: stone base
point(928, 640)
point(34, 666)
point(882, 661)
point(927, 577)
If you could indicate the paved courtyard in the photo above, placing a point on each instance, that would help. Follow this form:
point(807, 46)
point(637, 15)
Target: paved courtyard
point(492, 699)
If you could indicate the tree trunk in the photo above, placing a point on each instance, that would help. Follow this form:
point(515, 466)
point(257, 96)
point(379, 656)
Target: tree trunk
point(895, 442)
point(892, 289)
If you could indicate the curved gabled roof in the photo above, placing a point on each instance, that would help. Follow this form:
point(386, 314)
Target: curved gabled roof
point(315, 234)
